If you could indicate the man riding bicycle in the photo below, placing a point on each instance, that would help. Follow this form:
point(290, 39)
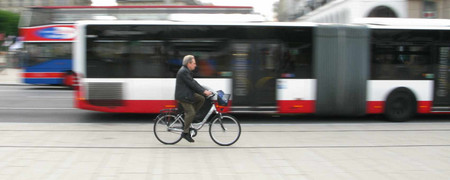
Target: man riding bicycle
point(187, 93)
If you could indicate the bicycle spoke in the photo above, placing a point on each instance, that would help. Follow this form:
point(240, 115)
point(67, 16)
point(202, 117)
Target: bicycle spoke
point(223, 127)
point(168, 129)
point(225, 131)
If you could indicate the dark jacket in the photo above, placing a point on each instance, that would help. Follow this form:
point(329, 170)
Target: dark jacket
point(186, 86)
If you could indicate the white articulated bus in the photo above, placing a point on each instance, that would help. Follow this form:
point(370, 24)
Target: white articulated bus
point(283, 68)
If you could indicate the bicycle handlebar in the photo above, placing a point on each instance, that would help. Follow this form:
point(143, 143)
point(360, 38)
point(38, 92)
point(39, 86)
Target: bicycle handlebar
point(212, 95)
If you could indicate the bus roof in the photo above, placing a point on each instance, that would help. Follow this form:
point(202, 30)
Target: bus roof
point(142, 7)
point(403, 23)
point(47, 15)
point(374, 23)
point(238, 23)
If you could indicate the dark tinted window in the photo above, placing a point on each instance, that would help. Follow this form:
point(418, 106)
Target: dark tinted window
point(209, 45)
point(296, 56)
point(151, 51)
point(37, 53)
point(125, 52)
point(402, 54)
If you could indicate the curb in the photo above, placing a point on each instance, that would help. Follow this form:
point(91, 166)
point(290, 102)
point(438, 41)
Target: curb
point(13, 84)
point(11, 76)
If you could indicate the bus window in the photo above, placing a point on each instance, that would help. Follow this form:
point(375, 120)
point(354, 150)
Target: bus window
point(25, 18)
point(213, 59)
point(296, 56)
point(42, 52)
point(147, 59)
point(401, 62)
point(106, 58)
point(40, 17)
point(402, 54)
point(296, 61)
point(208, 44)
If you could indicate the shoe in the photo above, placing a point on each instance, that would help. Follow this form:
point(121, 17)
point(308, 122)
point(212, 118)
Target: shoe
point(188, 137)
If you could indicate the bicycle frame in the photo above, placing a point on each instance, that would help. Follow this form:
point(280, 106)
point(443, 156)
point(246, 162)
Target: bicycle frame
point(205, 119)
point(196, 126)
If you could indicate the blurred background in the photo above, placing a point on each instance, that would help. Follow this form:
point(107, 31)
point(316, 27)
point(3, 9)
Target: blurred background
point(300, 89)
point(36, 36)
point(344, 11)
point(323, 11)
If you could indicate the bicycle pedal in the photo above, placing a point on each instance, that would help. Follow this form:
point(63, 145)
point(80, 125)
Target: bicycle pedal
point(193, 132)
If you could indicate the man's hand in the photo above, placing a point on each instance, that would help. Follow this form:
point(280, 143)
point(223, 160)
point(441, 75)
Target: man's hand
point(207, 93)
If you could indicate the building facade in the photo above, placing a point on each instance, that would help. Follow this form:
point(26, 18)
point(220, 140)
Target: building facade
point(346, 11)
point(439, 9)
point(349, 11)
point(156, 2)
point(290, 10)
point(17, 5)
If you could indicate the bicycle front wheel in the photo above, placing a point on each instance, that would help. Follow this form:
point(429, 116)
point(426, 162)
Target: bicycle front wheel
point(168, 129)
point(225, 131)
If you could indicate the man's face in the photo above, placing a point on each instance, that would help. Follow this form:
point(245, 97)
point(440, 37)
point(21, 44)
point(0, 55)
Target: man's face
point(191, 66)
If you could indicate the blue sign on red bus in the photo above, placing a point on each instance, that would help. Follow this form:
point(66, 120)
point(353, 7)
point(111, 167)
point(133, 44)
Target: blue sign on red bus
point(57, 33)
point(49, 33)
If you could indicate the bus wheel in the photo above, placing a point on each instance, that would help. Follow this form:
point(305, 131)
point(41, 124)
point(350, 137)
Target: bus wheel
point(400, 105)
point(68, 79)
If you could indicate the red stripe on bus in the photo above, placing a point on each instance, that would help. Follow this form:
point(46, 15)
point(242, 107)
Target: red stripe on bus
point(424, 106)
point(131, 106)
point(377, 107)
point(285, 107)
point(128, 106)
point(42, 75)
point(154, 106)
point(296, 106)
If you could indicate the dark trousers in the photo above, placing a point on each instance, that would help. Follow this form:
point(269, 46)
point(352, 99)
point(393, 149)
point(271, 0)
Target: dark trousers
point(190, 109)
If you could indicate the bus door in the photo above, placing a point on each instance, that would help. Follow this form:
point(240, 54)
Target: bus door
point(442, 81)
point(254, 76)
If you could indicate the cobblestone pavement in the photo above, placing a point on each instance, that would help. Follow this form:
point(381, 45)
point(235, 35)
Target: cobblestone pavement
point(264, 151)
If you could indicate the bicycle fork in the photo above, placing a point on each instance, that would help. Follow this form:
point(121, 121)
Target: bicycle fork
point(221, 123)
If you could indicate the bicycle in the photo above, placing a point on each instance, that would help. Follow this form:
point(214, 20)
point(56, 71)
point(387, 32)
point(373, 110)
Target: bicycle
point(224, 129)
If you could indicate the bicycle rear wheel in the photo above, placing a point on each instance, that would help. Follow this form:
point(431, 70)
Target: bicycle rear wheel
point(168, 129)
point(225, 131)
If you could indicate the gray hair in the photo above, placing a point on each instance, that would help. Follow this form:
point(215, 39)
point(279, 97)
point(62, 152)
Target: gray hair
point(187, 59)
